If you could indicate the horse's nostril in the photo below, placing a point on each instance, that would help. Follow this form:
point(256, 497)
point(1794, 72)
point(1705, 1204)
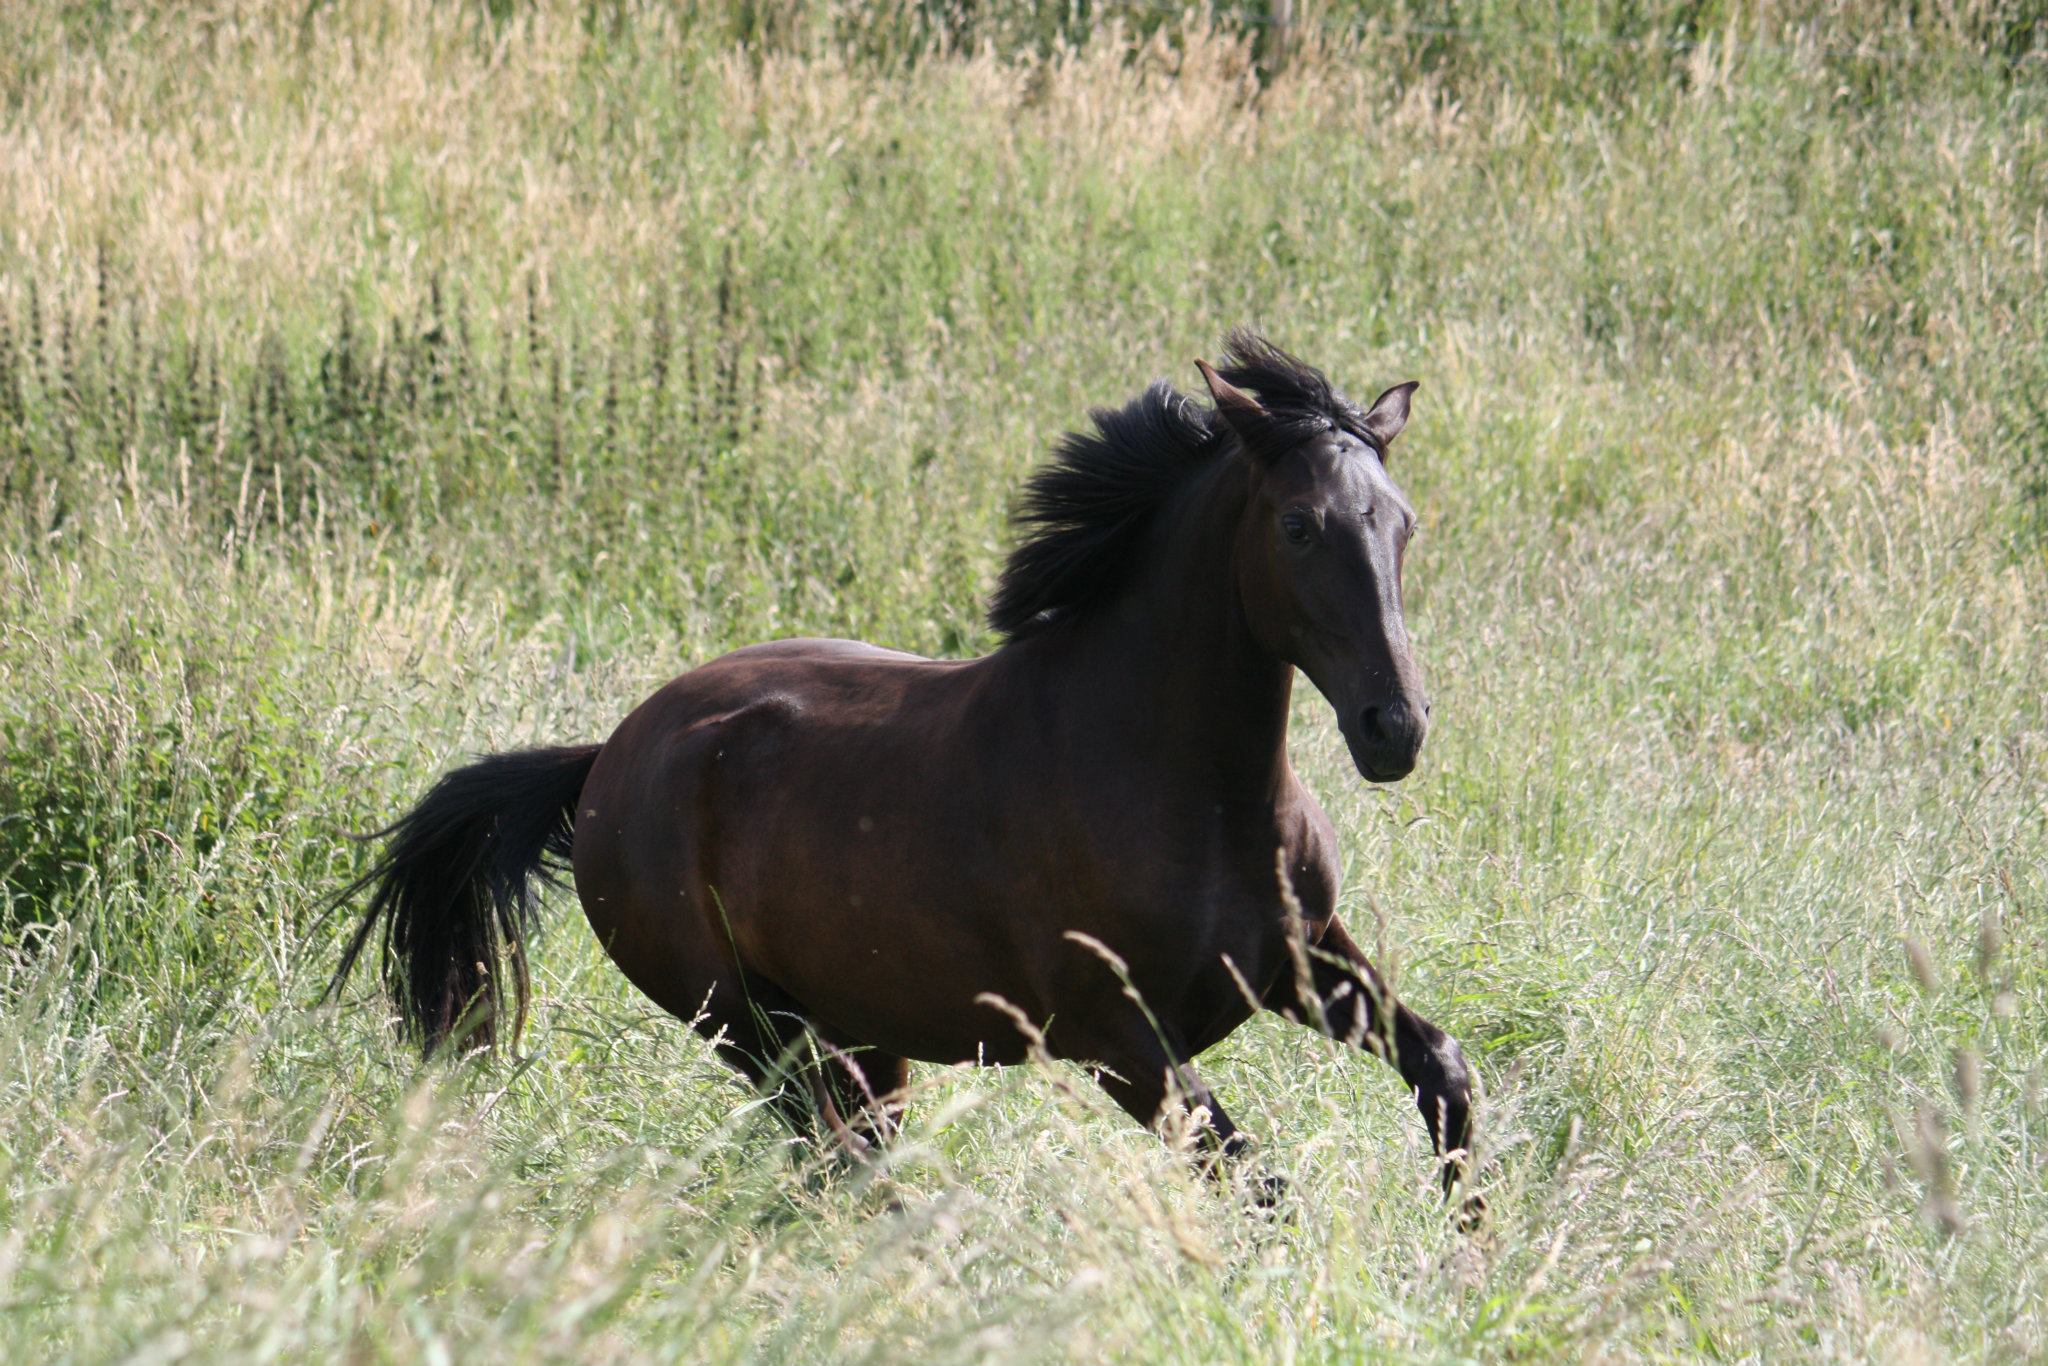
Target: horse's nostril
point(1394, 726)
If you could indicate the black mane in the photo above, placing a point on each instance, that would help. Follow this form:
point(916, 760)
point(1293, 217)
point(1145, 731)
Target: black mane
point(1086, 512)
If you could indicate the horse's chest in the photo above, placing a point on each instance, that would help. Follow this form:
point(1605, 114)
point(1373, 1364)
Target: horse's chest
point(1226, 930)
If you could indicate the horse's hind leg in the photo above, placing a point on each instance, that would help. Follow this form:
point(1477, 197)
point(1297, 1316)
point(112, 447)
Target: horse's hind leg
point(847, 1093)
point(756, 1029)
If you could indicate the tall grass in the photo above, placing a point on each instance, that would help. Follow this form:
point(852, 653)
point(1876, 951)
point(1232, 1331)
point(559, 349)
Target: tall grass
point(380, 382)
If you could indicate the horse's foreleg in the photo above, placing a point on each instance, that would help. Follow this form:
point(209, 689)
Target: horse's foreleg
point(1161, 1094)
point(1345, 998)
point(870, 1089)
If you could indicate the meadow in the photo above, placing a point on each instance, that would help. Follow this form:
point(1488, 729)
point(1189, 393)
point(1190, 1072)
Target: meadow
point(384, 381)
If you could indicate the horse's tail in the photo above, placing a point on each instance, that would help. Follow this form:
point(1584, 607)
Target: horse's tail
point(454, 891)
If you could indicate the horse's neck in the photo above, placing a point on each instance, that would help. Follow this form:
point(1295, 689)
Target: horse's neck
point(1170, 663)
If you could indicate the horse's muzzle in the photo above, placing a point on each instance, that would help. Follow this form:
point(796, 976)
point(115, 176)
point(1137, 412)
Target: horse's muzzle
point(1386, 739)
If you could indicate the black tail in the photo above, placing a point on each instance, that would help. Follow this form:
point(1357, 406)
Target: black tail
point(454, 890)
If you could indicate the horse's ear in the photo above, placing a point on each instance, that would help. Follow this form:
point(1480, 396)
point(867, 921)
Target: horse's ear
point(1238, 408)
point(1389, 414)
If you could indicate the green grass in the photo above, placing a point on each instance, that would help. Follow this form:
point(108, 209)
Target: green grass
point(380, 383)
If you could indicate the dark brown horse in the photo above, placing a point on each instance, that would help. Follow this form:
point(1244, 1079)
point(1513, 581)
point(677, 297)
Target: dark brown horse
point(903, 858)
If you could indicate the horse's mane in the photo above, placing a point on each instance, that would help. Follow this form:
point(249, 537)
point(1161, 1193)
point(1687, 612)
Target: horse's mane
point(1086, 511)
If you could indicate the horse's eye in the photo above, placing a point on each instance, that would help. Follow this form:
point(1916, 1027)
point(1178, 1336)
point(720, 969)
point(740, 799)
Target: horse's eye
point(1295, 524)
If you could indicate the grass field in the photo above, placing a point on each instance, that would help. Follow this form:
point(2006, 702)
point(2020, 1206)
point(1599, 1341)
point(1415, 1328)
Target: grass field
point(381, 382)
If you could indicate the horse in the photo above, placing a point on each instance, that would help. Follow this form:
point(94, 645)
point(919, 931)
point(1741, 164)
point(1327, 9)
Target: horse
point(834, 859)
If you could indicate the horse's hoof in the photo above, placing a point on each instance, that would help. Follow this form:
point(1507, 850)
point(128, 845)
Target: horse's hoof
point(1267, 1191)
point(1471, 1216)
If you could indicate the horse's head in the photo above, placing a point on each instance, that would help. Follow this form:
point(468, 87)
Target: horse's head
point(1320, 547)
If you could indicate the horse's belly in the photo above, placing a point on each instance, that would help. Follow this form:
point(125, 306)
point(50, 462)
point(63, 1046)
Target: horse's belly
point(871, 882)
point(959, 972)
point(911, 961)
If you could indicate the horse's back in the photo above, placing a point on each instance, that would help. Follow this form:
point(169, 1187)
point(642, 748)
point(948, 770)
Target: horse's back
point(769, 718)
